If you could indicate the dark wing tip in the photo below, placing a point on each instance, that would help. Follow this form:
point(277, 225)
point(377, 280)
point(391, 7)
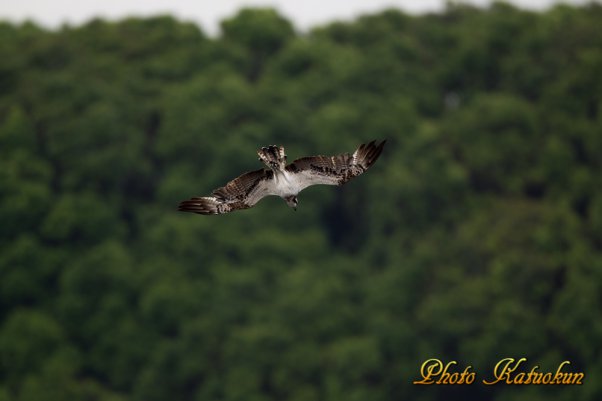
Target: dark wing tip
point(197, 205)
point(370, 152)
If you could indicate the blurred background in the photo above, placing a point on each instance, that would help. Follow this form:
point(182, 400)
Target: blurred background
point(476, 236)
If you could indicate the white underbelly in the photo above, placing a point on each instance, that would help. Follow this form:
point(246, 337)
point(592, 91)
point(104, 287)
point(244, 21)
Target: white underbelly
point(285, 186)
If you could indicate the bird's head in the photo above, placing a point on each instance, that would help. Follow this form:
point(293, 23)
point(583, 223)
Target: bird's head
point(292, 201)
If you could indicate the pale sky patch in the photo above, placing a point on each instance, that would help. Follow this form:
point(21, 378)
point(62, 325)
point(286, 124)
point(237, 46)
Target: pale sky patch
point(303, 13)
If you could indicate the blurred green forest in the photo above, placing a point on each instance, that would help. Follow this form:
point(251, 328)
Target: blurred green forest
point(476, 236)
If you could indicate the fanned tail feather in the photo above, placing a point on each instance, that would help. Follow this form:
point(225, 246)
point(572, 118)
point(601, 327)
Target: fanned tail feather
point(273, 156)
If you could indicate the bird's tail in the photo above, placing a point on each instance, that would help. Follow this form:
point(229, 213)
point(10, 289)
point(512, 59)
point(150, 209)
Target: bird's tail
point(273, 156)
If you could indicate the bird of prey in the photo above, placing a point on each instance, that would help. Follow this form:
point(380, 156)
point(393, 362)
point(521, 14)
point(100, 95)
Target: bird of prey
point(284, 180)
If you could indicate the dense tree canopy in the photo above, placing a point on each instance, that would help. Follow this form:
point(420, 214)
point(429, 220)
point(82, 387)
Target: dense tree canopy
point(477, 235)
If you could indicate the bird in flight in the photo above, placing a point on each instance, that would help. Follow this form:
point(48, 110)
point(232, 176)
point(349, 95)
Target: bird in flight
point(284, 180)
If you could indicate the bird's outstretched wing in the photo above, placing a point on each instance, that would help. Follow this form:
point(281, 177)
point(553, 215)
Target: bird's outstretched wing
point(334, 170)
point(242, 192)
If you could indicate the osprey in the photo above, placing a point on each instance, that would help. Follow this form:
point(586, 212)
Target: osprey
point(284, 180)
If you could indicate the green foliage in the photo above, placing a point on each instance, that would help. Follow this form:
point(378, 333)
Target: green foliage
point(254, 35)
point(477, 236)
